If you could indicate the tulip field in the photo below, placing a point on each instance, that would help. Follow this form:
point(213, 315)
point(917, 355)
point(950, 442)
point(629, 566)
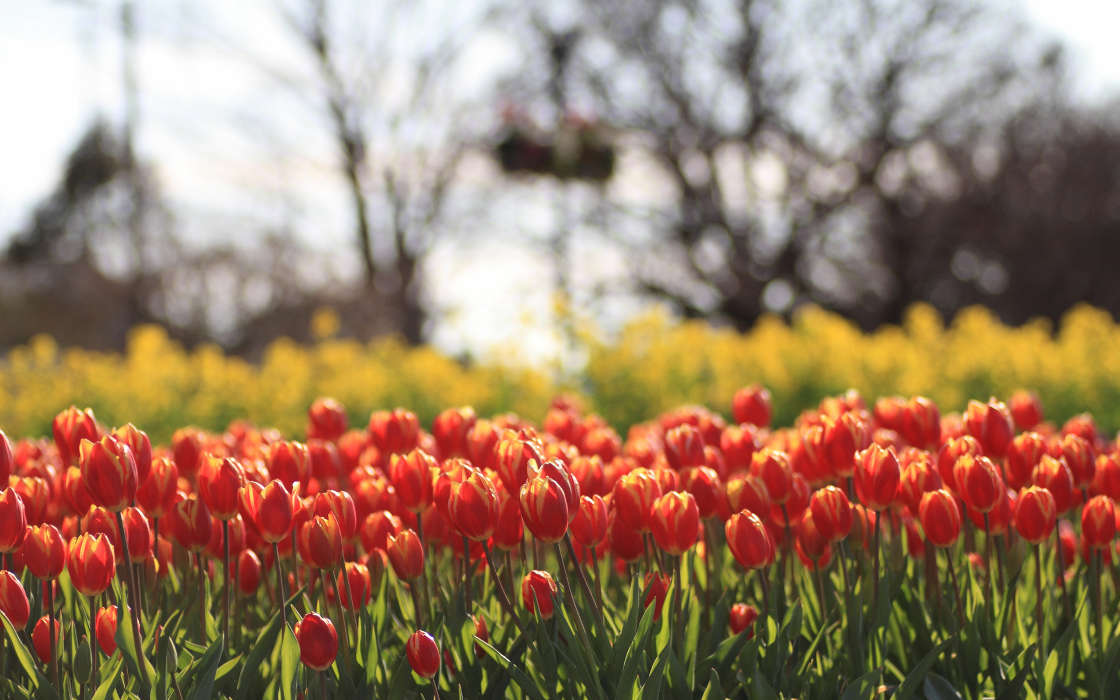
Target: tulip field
point(870, 549)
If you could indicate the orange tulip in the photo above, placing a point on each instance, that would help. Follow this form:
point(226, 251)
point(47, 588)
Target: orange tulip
point(684, 447)
point(394, 432)
point(915, 479)
point(772, 466)
point(320, 542)
point(13, 520)
point(326, 420)
point(741, 618)
point(156, 492)
point(1026, 409)
point(268, 508)
point(411, 475)
point(633, 496)
point(589, 527)
point(91, 562)
point(921, 423)
point(748, 540)
point(940, 517)
point(41, 638)
point(675, 522)
point(832, 513)
point(7, 459)
point(1098, 522)
point(990, 424)
point(450, 429)
point(1035, 514)
point(752, 405)
point(44, 551)
point(877, 477)
point(1054, 475)
point(109, 472)
point(219, 482)
point(376, 529)
point(472, 506)
point(511, 459)
point(138, 534)
point(289, 462)
point(137, 441)
point(71, 427)
point(544, 508)
point(341, 504)
point(979, 482)
point(950, 452)
point(191, 523)
point(406, 554)
point(1023, 455)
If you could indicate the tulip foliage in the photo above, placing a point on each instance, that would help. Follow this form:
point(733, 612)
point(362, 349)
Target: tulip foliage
point(866, 550)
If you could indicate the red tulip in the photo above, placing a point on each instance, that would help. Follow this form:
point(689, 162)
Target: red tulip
point(35, 492)
point(1035, 514)
point(990, 423)
point(1079, 455)
point(1098, 521)
point(657, 588)
point(1106, 475)
point(921, 423)
point(706, 487)
point(941, 517)
point(772, 466)
point(481, 632)
point(633, 496)
point(741, 618)
point(289, 462)
point(472, 506)
point(74, 491)
point(411, 475)
point(326, 420)
point(44, 551)
point(186, 446)
point(156, 493)
point(748, 540)
point(423, 654)
point(626, 543)
point(376, 529)
point(191, 523)
point(406, 554)
point(360, 586)
point(105, 629)
point(450, 429)
point(394, 432)
point(248, 572)
point(1054, 475)
point(951, 451)
point(544, 508)
point(843, 437)
point(675, 522)
point(979, 482)
point(1026, 409)
point(747, 493)
point(219, 483)
point(91, 563)
point(589, 527)
point(137, 441)
point(7, 459)
point(684, 447)
point(877, 477)
point(341, 504)
point(752, 405)
point(320, 542)
point(109, 472)
point(268, 508)
point(13, 520)
point(41, 638)
point(71, 427)
point(138, 534)
point(916, 478)
point(13, 600)
point(538, 592)
point(832, 513)
point(318, 641)
point(1023, 454)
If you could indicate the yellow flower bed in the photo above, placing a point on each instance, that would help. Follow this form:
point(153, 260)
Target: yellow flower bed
point(653, 364)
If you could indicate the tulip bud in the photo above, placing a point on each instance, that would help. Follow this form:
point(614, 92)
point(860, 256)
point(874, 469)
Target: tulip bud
point(472, 506)
point(360, 589)
point(738, 444)
point(951, 451)
point(1079, 456)
point(633, 496)
point(423, 654)
point(341, 504)
point(1026, 409)
point(657, 588)
point(921, 423)
point(109, 472)
point(877, 477)
point(705, 486)
point(1054, 475)
point(940, 517)
point(772, 466)
point(156, 493)
point(219, 482)
point(589, 527)
point(1106, 475)
point(320, 542)
point(626, 543)
point(411, 475)
point(7, 459)
point(44, 551)
point(747, 493)
point(832, 513)
point(916, 478)
point(544, 508)
point(1035, 514)
point(989, 423)
point(406, 554)
point(326, 420)
point(13, 520)
point(318, 641)
point(748, 540)
point(741, 618)
point(675, 522)
point(289, 463)
point(752, 405)
point(1098, 522)
point(376, 529)
point(394, 432)
point(450, 429)
point(71, 427)
point(979, 482)
point(41, 638)
point(538, 592)
point(191, 523)
point(684, 447)
point(91, 563)
point(248, 572)
point(105, 628)
point(137, 441)
point(268, 508)
point(138, 534)
point(1023, 454)
point(13, 600)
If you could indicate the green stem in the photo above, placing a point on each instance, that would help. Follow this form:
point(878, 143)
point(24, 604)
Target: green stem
point(135, 613)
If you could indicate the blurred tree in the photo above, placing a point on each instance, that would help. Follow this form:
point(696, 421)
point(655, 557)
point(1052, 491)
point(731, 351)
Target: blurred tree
point(793, 145)
point(395, 107)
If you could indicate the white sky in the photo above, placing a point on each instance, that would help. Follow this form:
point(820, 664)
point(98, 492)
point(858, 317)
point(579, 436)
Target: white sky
point(59, 65)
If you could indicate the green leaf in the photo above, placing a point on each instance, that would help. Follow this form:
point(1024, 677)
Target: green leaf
point(289, 663)
point(126, 645)
point(714, 691)
point(205, 670)
point(111, 670)
point(519, 676)
point(23, 655)
point(936, 687)
point(248, 682)
point(918, 674)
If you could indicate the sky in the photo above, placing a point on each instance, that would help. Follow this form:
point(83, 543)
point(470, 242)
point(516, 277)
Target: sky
point(59, 65)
